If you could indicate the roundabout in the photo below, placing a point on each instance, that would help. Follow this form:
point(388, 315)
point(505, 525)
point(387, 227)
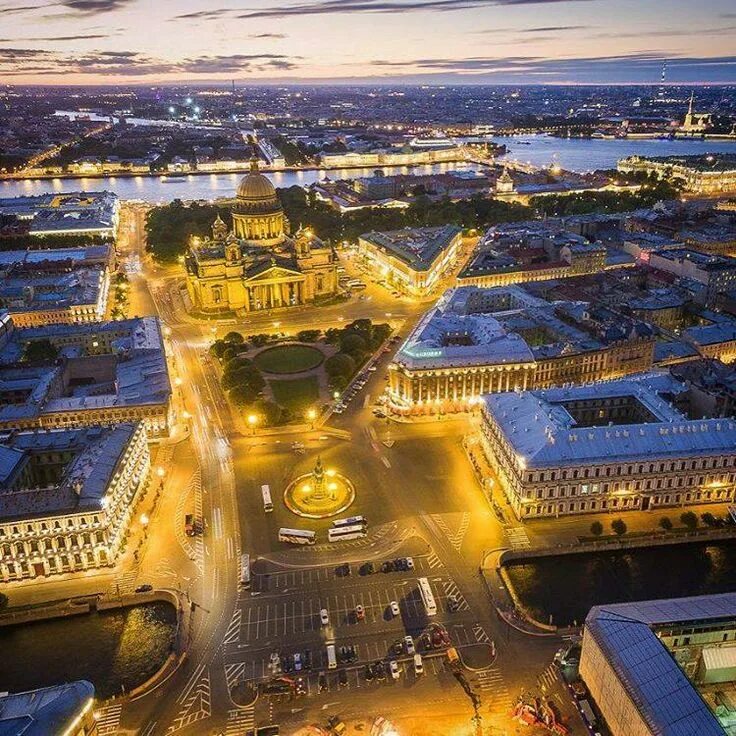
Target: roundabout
point(288, 359)
point(319, 494)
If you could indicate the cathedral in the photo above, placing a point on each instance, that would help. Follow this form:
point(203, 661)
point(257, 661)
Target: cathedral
point(258, 265)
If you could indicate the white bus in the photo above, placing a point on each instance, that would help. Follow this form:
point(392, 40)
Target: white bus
point(267, 503)
point(427, 598)
point(343, 533)
point(296, 536)
point(350, 521)
point(245, 571)
point(331, 657)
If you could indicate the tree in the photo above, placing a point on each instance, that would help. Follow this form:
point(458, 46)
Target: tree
point(308, 335)
point(665, 523)
point(39, 351)
point(234, 338)
point(353, 344)
point(218, 348)
point(619, 527)
point(243, 394)
point(596, 528)
point(269, 412)
point(340, 365)
point(689, 520)
point(708, 519)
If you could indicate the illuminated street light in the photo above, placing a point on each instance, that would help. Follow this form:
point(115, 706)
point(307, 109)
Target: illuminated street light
point(172, 110)
point(336, 395)
point(160, 472)
point(144, 519)
point(178, 381)
point(188, 100)
point(311, 416)
point(252, 422)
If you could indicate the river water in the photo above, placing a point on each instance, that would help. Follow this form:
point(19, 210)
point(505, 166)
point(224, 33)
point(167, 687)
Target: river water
point(575, 154)
point(567, 587)
point(113, 650)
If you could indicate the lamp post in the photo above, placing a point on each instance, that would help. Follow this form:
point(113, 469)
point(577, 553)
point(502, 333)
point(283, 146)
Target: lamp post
point(311, 416)
point(252, 422)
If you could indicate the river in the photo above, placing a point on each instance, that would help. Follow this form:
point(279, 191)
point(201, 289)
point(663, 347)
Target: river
point(575, 154)
point(567, 587)
point(113, 650)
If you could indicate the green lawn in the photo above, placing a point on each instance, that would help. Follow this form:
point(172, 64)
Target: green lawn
point(288, 359)
point(296, 395)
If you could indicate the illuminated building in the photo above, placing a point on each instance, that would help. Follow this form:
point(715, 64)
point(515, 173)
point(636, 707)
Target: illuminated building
point(59, 286)
point(67, 497)
point(703, 174)
point(59, 710)
point(662, 667)
point(257, 265)
point(612, 446)
point(477, 341)
point(411, 260)
point(98, 373)
point(696, 122)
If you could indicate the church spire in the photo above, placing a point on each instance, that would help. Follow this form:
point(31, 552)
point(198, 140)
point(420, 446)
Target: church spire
point(690, 107)
point(254, 164)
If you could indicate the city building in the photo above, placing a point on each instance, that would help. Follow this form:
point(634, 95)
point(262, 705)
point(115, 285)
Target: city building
point(663, 667)
point(67, 497)
point(412, 260)
point(86, 374)
point(257, 265)
point(717, 274)
point(696, 123)
point(477, 341)
point(56, 286)
point(60, 710)
point(612, 446)
point(405, 156)
point(712, 173)
point(72, 213)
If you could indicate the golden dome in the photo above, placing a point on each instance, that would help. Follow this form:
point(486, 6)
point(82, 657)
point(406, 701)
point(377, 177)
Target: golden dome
point(255, 191)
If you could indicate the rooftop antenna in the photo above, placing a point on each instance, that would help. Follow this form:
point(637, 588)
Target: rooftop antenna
point(233, 83)
point(663, 78)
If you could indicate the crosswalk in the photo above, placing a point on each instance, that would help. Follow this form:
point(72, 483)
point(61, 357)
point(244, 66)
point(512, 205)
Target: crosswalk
point(480, 634)
point(433, 560)
point(240, 721)
point(517, 536)
point(108, 720)
point(549, 678)
point(124, 583)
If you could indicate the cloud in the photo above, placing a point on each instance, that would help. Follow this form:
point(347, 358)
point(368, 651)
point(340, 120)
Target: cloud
point(268, 35)
point(93, 7)
point(80, 37)
point(17, 9)
point(382, 6)
point(19, 61)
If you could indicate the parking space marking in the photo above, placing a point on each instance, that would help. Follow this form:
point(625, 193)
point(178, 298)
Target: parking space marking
point(232, 634)
point(481, 637)
point(240, 721)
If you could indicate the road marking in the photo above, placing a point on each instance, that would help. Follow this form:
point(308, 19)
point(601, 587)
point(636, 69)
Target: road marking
point(517, 537)
point(233, 630)
point(385, 461)
point(108, 720)
point(240, 721)
point(196, 704)
point(234, 673)
point(217, 522)
point(433, 560)
point(230, 550)
point(480, 634)
point(549, 678)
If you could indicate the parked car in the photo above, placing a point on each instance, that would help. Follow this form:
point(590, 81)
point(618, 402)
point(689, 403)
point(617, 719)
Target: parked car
point(359, 612)
point(418, 665)
point(324, 617)
point(368, 673)
point(409, 563)
point(342, 678)
point(298, 662)
point(409, 644)
point(144, 588)
point(367, 568)
point(387, 566)
point(322, 682)
point(395, 610)
point(394, 669)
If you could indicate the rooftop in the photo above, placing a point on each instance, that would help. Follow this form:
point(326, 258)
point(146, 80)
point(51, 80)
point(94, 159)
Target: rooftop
point(419, 248)
point(626, 633)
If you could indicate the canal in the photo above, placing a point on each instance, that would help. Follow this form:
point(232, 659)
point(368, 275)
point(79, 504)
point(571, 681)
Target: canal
point(566, 587)
point(115, 650)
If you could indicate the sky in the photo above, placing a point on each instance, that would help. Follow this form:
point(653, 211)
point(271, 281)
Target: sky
point(372, 41)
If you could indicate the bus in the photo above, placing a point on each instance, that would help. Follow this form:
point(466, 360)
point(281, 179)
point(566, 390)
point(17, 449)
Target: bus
point(296, 536)
point(350, 521)
point(343, 533)
point(427, 598)
point(331, 657)
point(267, 503)
point(245, 571)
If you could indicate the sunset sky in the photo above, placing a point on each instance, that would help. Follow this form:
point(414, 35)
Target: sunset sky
point(433, 41)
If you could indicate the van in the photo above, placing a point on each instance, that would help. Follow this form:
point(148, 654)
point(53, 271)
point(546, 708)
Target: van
point(418, 665)
point(331, 657)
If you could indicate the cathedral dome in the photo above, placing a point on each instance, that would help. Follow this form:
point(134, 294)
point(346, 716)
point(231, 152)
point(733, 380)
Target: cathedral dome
point(256, 193)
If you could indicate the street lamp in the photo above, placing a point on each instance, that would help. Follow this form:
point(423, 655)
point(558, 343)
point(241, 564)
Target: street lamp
point(160, 472)
point(144, 520)
point(311, 416)
point(252, 422)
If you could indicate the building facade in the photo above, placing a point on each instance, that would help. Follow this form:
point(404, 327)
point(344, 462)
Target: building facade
point(613, 446)
point(412, 260)
point(478, 341)
point(704, 174)
point(258, 266)
point(67, 498)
